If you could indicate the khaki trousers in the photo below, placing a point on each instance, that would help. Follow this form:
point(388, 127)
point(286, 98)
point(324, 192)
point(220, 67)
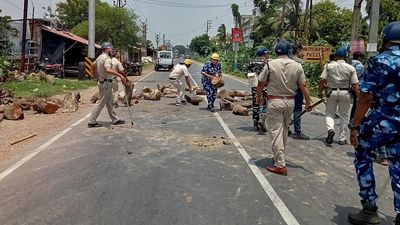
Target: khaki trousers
point(278, 113)
point(340, 100)
point(115, 89)
point(105, 99)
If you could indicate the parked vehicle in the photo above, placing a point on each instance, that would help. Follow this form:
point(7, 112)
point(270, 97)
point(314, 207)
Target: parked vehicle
point(164, 60)
point(53, 69)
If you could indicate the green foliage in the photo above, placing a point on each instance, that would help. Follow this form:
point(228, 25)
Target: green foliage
point(180, 49)
point(115, 25)
point(202, 45)
point(34, 87)
point(6, 32)
point(312, 71)
point(236, 15)
point(334, 23)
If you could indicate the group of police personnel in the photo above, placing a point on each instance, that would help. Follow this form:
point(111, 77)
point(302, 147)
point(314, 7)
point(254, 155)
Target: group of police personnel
point(280, 91)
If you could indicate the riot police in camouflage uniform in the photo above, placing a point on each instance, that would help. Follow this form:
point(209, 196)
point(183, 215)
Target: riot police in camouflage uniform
point(380, 128)
point(253, 70)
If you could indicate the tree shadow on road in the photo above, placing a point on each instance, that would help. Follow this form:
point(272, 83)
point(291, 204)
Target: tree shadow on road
point(342, 212)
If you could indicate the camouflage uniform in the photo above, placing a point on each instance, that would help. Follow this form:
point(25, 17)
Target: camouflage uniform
point(381, 127)
point(211, 90)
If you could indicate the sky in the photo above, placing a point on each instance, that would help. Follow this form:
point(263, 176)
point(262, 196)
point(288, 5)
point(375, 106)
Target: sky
point(179, 24)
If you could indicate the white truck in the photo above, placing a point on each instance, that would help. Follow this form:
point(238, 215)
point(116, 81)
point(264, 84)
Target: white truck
point(164, 59)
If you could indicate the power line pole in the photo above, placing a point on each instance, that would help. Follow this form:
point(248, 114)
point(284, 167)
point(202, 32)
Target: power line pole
point(163, 40)
point(281, 26)
point(296, 21)
point(355, 25)
point(310, 28)
point(372, 45)
point(24, 24)
point(157, 40)
point(305, 35)
point(91, 35)
point(119, 3)
point(143, 25)
point(208, 26)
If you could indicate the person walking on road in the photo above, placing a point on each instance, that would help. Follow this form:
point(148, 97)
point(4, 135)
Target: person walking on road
point(175, 76)
point(103, 65)
point(210, 70)
point(282, 76)
point(338, 77)
point(360, 70)
point(117, 66)
point(254, 70)
point(380, 128)
point(298, 98)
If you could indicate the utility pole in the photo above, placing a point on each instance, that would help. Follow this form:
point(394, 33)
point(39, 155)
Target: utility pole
point(310, 28)
point(157, 40)
point(296, 21)
point(119, 3)
point(23, 44)
point(163, 40)
point(208, 26)
point(355, 25)
point(372, 45)
point(91, 35)
point(143, 25)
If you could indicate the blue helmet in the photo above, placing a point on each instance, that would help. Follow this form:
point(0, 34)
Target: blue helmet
point(261, 51)
point(106, 45)
point(283, 47)
point(341, 52)
point(391, 32)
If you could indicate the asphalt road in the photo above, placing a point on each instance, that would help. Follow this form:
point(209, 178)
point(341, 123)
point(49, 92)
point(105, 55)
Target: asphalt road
point(187, 166)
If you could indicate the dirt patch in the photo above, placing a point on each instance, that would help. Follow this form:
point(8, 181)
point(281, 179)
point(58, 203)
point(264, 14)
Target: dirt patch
point(209, 143)
point(43, 125)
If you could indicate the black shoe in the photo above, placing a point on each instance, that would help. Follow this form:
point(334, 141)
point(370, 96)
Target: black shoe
point(91, 125)
point(289, 133)
point(212, 109)
point(120, 121)
point(368, 215)
point(300, 136)
point(344, 142)
point(329, 138)
point(397, 221)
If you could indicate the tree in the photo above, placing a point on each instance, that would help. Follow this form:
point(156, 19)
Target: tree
point(222, 35)
point(180, 49)
point(333, 23)
point(115, 25)
point(236, 15)
point(388, 12)
point(6, 31)
point(74, 12)
point(202, 45)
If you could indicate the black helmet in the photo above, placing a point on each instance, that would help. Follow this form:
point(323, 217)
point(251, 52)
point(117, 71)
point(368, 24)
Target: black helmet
point(391, 32)
point(261, 51)
point(106, 45)
point(283, 47)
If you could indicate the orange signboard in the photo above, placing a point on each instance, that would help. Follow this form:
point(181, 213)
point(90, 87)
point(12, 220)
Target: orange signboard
point(237, 35)
point(318, 54)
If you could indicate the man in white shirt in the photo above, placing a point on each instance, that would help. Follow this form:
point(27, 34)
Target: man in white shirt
point(177, 73)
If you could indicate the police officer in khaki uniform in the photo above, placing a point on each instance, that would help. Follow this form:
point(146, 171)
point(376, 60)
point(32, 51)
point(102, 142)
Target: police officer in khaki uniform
point(282, 77)
point(117, 66)
point(339, 77)
point(105, 73)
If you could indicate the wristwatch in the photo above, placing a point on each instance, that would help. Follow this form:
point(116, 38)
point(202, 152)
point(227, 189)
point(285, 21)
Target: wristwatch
point(352, 127)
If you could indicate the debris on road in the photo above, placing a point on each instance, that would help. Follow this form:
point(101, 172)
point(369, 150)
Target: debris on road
point(23, 139)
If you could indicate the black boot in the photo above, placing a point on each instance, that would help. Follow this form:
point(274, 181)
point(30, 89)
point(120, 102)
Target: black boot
point(255, 127)
point(367, 216)
point(397, 221)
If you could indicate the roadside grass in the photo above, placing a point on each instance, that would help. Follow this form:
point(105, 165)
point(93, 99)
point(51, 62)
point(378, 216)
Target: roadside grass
point(35, 88)
point(147, 66)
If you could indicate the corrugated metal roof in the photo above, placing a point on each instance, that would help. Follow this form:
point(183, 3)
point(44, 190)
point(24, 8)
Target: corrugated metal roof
point(68, 35)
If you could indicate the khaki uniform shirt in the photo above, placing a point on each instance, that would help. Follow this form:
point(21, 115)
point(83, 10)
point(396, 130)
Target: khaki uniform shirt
point(116, 65)
point(285, 75)
point(179, 71)
point(103, 61)
point(299, 60)
point(339, 74)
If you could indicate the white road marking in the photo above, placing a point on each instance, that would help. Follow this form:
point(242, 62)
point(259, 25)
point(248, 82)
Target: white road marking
point(41, 148)
point(276, 200)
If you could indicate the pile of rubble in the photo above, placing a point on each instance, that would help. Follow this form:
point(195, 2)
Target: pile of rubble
point(236, 101)
point(12, 108)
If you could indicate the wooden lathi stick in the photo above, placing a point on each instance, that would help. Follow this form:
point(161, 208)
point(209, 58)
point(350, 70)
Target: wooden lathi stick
point(23, 139)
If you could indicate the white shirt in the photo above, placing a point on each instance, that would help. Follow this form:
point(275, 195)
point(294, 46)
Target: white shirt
point(179, 71)
point(339, 74)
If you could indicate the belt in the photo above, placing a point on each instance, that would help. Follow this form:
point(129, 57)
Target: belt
point(340, 89)
point(279, 97)
point(106, 80)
